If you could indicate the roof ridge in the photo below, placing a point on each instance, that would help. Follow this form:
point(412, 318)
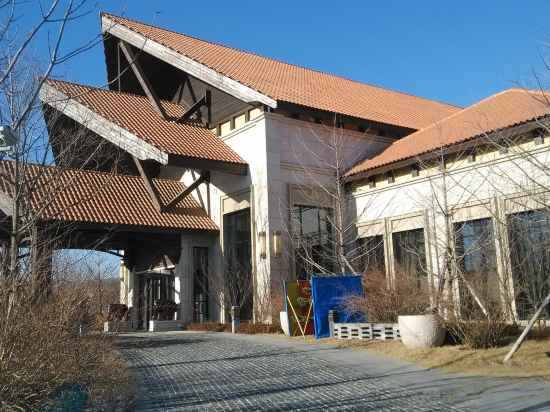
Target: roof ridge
point(284, 62)
point(465, 109)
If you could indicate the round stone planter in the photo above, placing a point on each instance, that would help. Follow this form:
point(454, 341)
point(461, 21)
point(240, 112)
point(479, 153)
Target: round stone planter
point(421, 331)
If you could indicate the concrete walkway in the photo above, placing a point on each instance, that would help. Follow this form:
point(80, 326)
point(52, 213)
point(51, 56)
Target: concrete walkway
point(219, 372)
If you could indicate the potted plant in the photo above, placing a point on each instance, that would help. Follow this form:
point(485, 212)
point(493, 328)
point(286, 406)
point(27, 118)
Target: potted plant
point(420, 326)
point(421, 330)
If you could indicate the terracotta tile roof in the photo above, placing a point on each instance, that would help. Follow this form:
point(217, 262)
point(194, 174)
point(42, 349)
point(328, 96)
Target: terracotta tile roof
point(502, 110)
point(80, 196)
point(136, 114)
point(298, 85)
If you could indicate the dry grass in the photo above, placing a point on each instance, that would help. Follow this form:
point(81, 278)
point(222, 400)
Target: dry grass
point(532, 360)
point(41, 353)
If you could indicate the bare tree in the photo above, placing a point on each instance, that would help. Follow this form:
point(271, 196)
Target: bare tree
point(39, 138)
point(322, 224)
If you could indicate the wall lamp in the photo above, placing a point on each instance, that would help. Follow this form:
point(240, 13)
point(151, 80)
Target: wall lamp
point(263, 244)
point(277, 243)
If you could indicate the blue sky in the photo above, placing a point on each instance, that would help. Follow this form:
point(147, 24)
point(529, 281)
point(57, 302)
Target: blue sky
point(457, 52)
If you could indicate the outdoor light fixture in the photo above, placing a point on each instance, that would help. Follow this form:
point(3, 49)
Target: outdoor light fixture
point(263, 249)
point(277, 243)
point(7, 139)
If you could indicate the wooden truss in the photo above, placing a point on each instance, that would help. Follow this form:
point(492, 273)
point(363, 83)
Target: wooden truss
point(142, 78)
point(154, 195)
point(204, 101)
point(132, 59)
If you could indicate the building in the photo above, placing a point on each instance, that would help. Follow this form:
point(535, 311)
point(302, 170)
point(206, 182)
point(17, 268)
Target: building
point(224, 158)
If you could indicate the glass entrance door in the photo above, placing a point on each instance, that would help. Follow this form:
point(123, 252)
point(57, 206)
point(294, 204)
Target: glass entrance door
point(200, 284)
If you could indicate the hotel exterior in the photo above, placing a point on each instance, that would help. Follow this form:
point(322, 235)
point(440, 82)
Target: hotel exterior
point(225, 171)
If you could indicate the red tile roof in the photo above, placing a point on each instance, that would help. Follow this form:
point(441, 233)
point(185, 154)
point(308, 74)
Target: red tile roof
point(500, 111)
point(136, 114)
point(298, 85)
point(81, 196)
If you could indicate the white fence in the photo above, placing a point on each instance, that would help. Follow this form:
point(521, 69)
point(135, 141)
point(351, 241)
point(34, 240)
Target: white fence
point(377, 331)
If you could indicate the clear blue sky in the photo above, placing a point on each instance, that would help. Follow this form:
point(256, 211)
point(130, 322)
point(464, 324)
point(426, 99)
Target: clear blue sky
point(457, 52)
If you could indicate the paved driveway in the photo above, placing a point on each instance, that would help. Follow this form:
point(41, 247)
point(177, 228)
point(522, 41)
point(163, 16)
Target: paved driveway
point(219, 372)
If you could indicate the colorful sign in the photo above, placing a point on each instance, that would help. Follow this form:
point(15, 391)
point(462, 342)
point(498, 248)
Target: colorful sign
point(299, 307)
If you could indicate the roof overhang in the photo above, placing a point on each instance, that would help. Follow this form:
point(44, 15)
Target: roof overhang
point(103, 127)
point(186, 64)
point(125, 139)
point(497, 135)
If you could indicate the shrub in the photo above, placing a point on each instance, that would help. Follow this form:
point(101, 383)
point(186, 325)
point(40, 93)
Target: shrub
point(244, 327)
point(255, 328)
point(41, 350)
point(210, 327)
point(383, 302)
point(481, 334)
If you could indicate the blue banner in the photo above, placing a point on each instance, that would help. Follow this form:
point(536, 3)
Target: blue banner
point(329, 293)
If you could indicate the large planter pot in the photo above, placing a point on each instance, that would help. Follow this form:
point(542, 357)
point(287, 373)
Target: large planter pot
point(421, 331)
point(283, 317)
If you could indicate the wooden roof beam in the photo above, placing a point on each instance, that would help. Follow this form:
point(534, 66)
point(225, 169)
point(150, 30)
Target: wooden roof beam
point(186, 64)
point(204, 177)
point(142, 78)
point(204, 101)
point(153, 194)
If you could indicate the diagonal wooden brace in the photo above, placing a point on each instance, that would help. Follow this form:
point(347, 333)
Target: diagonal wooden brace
point(153, 194)
point(203, 101)
point(204, 177)
point(142, 78)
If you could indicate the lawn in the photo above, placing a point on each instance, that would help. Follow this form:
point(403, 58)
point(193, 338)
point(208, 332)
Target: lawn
point(532, 360)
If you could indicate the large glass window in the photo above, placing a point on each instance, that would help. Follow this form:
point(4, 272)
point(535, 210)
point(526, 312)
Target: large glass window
point(312, 236)
point(200, 284)
point(238, 262)
point(476, 260)
point(371, 251)
point(529, 239)
point(409, 253)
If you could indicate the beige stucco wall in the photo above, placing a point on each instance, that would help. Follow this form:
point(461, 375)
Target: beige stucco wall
point(493, 185)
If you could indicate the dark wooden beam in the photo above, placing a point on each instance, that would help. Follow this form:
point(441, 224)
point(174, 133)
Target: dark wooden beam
point(203, 101)
point(142, 78)
point(148, 184)
point(204, 177)
point(207, 164)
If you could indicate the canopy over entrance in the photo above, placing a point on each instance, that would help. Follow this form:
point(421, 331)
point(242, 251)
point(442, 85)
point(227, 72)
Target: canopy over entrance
point(105, 211)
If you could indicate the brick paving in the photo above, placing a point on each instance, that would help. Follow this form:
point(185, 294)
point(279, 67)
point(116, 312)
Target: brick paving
point(216, 372)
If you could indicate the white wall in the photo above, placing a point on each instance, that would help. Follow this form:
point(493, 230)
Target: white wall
point(280, 152)
point(493, 185)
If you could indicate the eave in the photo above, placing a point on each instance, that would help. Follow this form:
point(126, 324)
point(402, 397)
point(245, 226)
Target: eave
point(186, 64)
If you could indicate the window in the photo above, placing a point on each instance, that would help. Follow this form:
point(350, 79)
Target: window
point(410, 255)
point(200, 284)
point(238, 261)
point(476, 259)
point(371, 251)
point(312, 234)
point(529, 240)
